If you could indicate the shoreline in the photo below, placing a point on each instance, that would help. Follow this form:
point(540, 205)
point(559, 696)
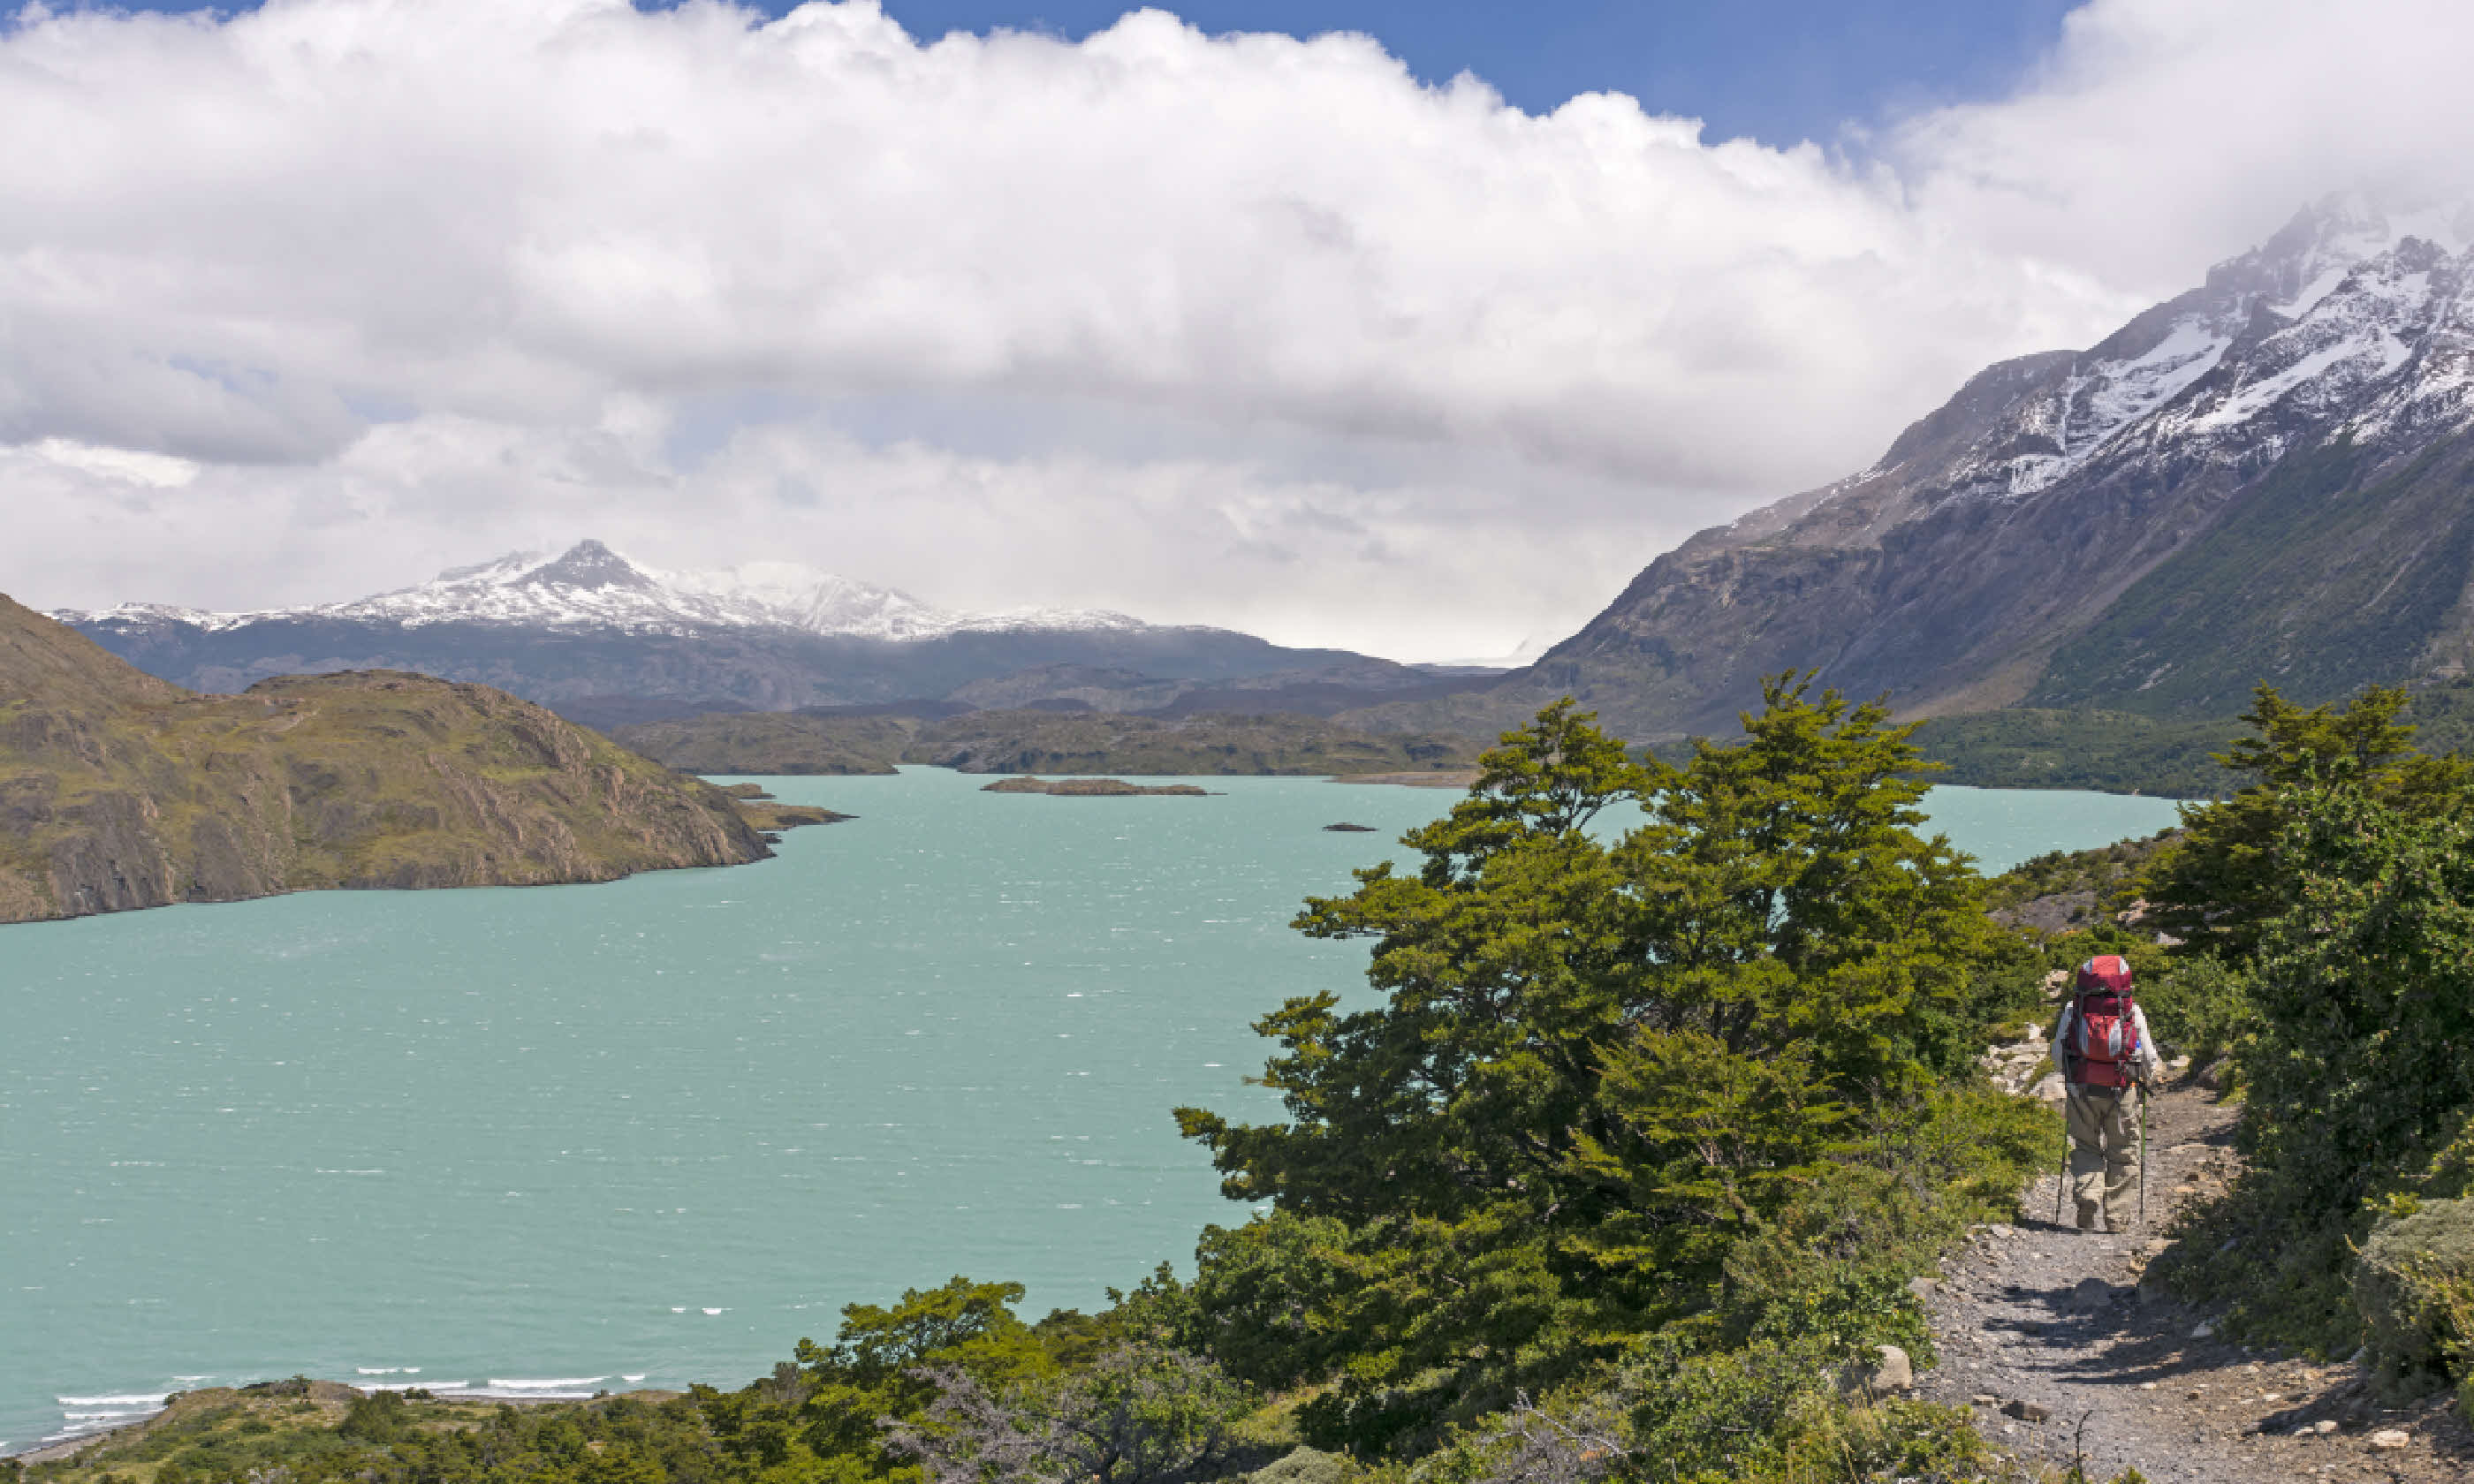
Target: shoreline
point(44, 1451)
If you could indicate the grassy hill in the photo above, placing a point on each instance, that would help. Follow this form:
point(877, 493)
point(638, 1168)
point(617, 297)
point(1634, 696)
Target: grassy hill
point(118, 790)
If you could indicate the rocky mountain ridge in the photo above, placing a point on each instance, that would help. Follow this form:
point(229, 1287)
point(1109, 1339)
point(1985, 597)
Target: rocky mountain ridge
point(2265, 478)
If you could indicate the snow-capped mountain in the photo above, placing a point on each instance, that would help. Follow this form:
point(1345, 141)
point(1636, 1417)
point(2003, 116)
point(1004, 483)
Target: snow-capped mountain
point(592, 631)
point(591, 587)
point(2267, 478)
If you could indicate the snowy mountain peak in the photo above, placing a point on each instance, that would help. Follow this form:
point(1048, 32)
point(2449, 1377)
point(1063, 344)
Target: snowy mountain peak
point(2339, 299)
point(589, 565)
point(2311, 253)
point(589, 585)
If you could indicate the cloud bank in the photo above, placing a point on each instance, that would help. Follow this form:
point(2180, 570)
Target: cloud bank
point(312, 299)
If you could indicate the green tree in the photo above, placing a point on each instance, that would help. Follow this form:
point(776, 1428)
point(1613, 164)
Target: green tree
point(2218, 887)
point(822, 1416)
point(1596, 1065)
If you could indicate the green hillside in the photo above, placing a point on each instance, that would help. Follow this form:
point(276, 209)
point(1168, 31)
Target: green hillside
point(2315, 582)
point(121, 791)
point(2125, 752)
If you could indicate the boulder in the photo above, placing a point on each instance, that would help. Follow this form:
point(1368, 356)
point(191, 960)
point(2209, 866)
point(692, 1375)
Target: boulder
point(2091, 1294)
point(2025, 1412)
point(1892, 1370)
point(2413, 1281)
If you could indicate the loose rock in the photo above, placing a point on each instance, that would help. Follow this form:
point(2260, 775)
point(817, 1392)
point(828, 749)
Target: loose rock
point(1892, 1370)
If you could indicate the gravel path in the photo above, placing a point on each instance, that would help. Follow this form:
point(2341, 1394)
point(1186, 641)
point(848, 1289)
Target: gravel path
point(2046, 1332)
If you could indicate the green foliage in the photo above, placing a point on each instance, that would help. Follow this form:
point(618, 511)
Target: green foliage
point(2123, 753)
point(2107, 752)
point(2413, 1288)
point(2196, 1005)
point(2231, 872)
point(1750, 1414)
point(2330, 572)
point(2106, 874)
point(1599, 1070)
point(1139, 1414)
point(2363, 979)
point(376, 1418)
point(1837, 1261)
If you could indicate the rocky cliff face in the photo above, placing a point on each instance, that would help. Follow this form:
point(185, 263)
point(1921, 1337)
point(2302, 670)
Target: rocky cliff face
point(2266, 478)
point(120, 791)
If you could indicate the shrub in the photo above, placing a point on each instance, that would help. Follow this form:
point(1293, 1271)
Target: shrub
point(2199, 1006)
point(376, 1418)
point(2414, 1287)
point(2364, 987)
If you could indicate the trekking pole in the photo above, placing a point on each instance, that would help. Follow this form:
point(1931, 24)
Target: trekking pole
point(2143, 1156)
point(2062, 1172)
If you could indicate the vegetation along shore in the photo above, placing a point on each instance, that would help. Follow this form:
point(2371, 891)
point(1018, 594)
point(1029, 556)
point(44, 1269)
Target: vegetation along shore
point(1680, 1157)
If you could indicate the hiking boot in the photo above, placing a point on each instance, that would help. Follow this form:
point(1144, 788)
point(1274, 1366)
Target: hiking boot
point(2087, 1217)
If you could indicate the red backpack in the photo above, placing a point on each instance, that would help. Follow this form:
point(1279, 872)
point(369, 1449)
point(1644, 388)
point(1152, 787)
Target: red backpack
point(2104, 1033)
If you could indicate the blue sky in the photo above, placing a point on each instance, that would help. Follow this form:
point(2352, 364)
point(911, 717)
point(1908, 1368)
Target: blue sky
point(1778, 70)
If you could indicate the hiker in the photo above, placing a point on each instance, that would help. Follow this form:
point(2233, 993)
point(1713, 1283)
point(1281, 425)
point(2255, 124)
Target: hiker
point(2105, 1055)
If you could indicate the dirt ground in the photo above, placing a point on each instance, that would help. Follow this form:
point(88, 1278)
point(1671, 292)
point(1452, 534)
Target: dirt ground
point(2036, 1318)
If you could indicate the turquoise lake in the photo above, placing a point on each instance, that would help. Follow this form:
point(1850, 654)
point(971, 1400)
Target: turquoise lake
point(571, 1138)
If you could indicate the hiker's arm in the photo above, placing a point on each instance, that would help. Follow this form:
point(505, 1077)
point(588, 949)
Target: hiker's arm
point(2152, 1066)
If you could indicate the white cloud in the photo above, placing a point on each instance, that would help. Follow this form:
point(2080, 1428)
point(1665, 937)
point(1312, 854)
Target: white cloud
point(154, 471)
point(1235, 330)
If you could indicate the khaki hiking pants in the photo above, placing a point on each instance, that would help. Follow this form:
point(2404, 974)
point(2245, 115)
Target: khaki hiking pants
point(2104, 1154)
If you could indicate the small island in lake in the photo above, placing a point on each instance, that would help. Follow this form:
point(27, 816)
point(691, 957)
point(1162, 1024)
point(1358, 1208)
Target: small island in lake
point(1093, 788)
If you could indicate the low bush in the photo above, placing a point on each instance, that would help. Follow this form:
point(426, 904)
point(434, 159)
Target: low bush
point(2413, 1287)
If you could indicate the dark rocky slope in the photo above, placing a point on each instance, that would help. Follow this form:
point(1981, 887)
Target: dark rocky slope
point(118, 790)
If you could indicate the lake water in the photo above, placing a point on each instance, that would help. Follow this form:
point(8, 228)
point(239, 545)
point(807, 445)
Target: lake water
point(654, 1132)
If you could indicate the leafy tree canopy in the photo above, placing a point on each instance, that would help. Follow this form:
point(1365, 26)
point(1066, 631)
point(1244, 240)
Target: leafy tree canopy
point(1599, 1063)
point(2218, 887)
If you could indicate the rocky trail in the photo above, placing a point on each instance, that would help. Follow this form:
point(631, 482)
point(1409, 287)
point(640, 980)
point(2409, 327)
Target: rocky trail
point(2048, 1333)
